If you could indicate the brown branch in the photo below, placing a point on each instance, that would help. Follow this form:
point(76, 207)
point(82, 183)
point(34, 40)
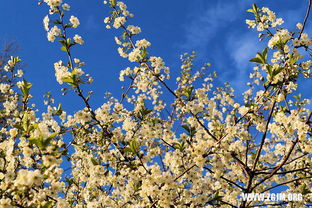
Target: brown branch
point(227, 180)
point(187, 170)
point(281, 184)
point(263, 137)
point(244, 166)
point(127, 91)
point(154, 204)
point(280, 165)
point(305, 154)
point(309, 117)
point(143, 164)
point(305, 19)
point(205, 128)
point(284, 172)
point(105, 130)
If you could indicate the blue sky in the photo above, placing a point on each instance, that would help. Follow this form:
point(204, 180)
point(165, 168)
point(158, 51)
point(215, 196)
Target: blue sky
point(215, 29)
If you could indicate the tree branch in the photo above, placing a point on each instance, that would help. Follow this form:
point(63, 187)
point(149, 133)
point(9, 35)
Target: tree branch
point(227, 180)
point(305, 19)
point(263, 137)
point(294, 180)
point(280, 165)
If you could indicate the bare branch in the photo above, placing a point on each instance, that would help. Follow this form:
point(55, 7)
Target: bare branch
point(281, 184)
point(263, 137)
point(305, 19)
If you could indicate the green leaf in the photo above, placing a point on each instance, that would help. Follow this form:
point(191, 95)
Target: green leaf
point(113, 3)
point(265, 53)
point(94, 161)
point(134, 146)
point(19, 127)
point(2, 154)
point(57, 22)
point(59, 110)
point(127, 149)
point(144, 112)
point(189, 93)
point(261, 58)
point(16, 60)
point(190, 130)
point(144, 53)
point(137, 186)
point(63, 42)
point(216, 197)
point(293, 59)
point(25, 88)
point(255, 11)
point(69, 80)
point(70, 181)
point(48, 204)
point(180, 146)
point(259, 55)
point(45, 142)
point(269, 69)
point(305, 189)
point(124, 36)
point(277, 71)
point(41, 142)
point(25, 122)
point(35, 141)
point(298, 97)
point(250, 10)
point(256, 60)
point(64, 48)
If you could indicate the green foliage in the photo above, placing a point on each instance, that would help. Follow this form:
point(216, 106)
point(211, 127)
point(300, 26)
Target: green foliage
point(25, 87)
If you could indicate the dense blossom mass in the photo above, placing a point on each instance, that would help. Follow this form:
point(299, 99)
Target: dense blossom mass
point(202, 148)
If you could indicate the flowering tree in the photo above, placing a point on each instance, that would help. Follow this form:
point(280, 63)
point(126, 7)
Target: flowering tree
point(7, 77)
point(208, 150)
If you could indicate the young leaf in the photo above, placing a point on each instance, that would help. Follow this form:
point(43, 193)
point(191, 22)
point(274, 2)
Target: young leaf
point(25, 88)
point(190, 130)
point(256, 60)
point(64, 48)
point(113, 3)
point(94, 161)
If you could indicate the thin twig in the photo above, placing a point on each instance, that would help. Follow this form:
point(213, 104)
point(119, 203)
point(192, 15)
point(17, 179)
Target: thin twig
point(286, 162)
point(187, 170)
point(227, 180)
point(263, 137)
point(281, 184)
point(280, 165)
point(305, 19)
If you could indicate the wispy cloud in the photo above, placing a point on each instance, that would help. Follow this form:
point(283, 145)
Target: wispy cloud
point(206, 21)
point(241, 49)
point(213, 26)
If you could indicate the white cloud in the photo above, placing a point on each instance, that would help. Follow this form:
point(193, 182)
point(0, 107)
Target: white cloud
point(240, 48)
point(208, 19)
